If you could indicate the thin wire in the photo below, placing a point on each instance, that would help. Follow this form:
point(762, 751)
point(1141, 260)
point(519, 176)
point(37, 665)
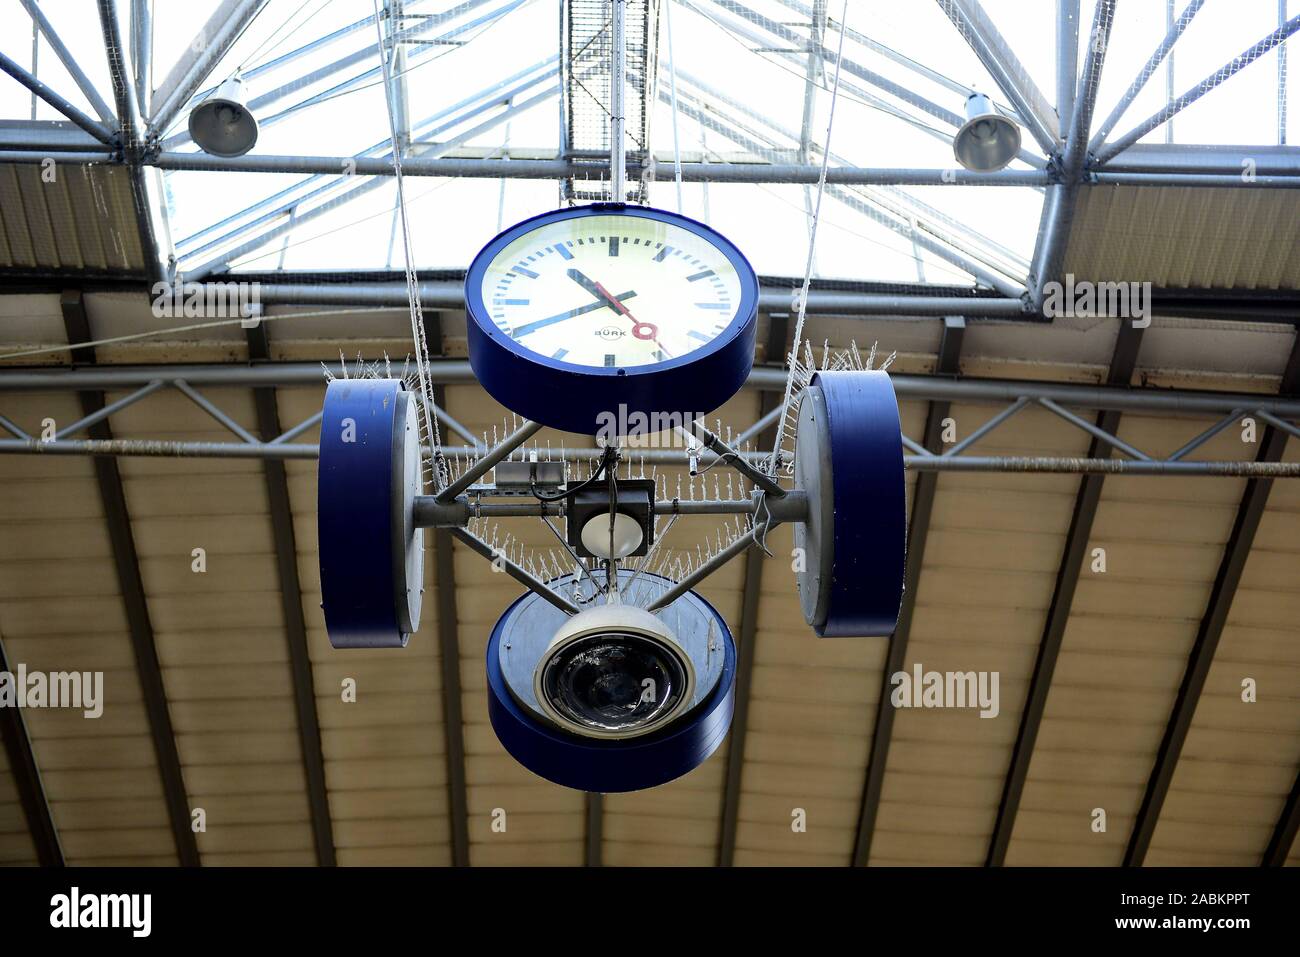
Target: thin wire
point(408, 256)
point(411, 69)
point(812, 237)
point(114, 340)
point(882, 107)
point(287, 20)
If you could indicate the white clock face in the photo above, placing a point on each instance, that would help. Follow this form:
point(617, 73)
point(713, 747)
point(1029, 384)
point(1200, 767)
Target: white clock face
point(613, 291)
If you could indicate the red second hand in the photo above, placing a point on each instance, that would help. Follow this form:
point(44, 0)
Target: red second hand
point(637, 324)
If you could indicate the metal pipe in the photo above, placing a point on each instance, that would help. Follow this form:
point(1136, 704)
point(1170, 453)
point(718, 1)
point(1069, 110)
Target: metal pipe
point(1231, 68)
point(95, 128)
point(1094, 430)
point(142, 52)
point(1084, 466)
point(298, 429)
point(1058, 211)
point(261, 240)
point(36, 158)
point(128, 112)
point(202, 402)
point(1184, 158)
point(986, 428)
point(707, 568)
point(489, 459)
point(1211, 180)
point(69, 61)
point(428, 512)
point(919, 463)
point(801, 44)
point(12, 428)
point(1205, 436)
point(1007, 71)
point(380, 145)
point(109, 409)
point(1067, 58)
point(458, 371)
point(499, 560)
point(559, 168)
point(1274, 421)
point(733, 458)
point(335, 182)
point(1161, 51)
point(617, 90)
point(227, 28)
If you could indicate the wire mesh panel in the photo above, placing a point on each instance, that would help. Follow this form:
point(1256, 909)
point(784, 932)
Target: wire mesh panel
point(587, 57)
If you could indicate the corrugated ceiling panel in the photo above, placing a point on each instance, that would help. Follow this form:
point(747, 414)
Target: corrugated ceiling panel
point(219, 633)
point(385, 753)
point(811, 714)
point(1177, 237)
point(544, 823)
point(1125, 650)
point(60, 610)
point(1228, 820)
point(990, 566)
point(680, 822)
point(82, 219)
point(16, 847)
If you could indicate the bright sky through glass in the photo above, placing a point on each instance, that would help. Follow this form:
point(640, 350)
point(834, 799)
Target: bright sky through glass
point(452, 219)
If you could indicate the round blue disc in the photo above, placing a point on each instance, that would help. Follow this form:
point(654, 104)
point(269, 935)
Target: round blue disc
point(849, 459)
point(589, 399)
point(605, 766)
point(371, 555)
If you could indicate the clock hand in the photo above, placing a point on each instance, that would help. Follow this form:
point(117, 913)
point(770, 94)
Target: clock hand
point(531, 327)
point(641, 330)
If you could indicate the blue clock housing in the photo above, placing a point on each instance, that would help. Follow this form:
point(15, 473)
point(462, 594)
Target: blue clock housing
point(573, 397)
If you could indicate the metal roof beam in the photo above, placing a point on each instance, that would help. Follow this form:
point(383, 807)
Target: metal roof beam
point(295, 623)
point(1058, 211)
point(1122, 365)
point(934, 387)
point(923, 496)
point(449, 648)
point(1279, 845)
point(1176, 105)
point(1164, 49)
point(979, 32)
point(27, 779)
point(127, 566)
point(210, 44)
point(729, 820)
point(69, 61)
point(1235, 553)
point(95, 128)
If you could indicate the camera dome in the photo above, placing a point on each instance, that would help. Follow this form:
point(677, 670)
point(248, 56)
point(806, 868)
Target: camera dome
point(614, 672)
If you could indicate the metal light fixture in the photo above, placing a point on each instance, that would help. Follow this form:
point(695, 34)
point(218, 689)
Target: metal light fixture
point(987, 141)
point(221, 125)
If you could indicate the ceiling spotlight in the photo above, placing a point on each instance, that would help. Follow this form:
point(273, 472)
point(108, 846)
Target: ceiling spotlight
point(221, 125)
point(987, 141)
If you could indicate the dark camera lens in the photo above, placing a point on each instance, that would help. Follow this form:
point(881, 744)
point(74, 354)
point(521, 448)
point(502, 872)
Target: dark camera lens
point(614, 682)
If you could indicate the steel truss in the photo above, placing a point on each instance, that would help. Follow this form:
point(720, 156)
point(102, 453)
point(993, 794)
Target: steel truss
point(1075, 152)
point(1062, 399)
